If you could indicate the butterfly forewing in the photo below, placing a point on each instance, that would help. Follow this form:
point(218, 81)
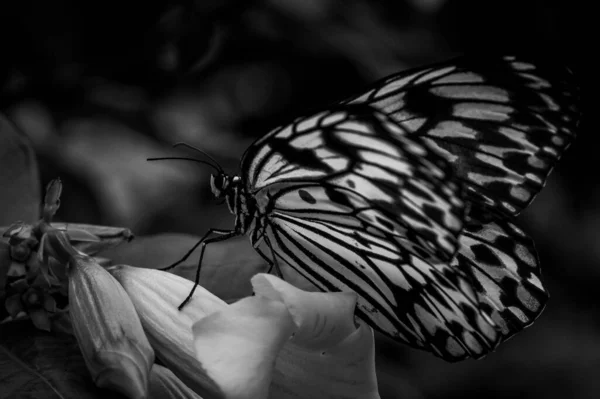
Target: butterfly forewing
point(504, 265)
point(502, 122)
point(360, 164)
point(354, 204)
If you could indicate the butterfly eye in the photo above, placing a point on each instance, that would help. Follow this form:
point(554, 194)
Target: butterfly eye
point(216, 183)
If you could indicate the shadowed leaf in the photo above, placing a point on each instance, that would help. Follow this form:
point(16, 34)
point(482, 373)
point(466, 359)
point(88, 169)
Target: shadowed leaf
point(19, 181)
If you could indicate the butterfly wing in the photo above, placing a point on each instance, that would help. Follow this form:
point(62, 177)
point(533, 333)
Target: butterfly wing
point(354, 204)
point(503, 122)
point(503, 264)
point(406, 190)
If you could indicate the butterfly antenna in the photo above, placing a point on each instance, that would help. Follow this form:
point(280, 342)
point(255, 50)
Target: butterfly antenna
point(191, 147)
point(218, 169)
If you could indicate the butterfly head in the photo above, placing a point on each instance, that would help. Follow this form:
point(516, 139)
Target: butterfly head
point(220, 185)
point(220, 182)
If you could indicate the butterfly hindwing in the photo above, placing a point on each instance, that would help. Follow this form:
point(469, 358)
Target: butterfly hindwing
point(503, 122)
point(505, 271)
point(428, 306)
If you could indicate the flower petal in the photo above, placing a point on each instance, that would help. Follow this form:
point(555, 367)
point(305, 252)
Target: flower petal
point(328, 356)
point(238, 346)
point(156, 295)
point(13, 305)
point(40, 319)
point(322, 319)
point(345, 370)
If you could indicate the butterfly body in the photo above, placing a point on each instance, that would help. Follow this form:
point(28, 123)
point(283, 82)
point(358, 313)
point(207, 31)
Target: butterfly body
point(405, 195)
point(243, 206)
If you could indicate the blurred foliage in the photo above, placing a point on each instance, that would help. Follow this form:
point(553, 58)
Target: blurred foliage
point(99, 87)
point(44, 366)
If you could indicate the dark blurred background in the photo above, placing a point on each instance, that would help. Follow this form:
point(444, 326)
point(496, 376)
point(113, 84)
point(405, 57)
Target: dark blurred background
point(101, 86)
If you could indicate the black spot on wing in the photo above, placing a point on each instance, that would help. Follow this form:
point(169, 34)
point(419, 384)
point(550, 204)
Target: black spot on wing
point(338, 197)
point(306, 197)
point(420, 252)
point(420, 101)
point(484, 254)
point(361, 240)
point(434, 213)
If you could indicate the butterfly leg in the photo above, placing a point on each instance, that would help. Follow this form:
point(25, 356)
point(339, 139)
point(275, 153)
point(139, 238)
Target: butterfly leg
point(226, 235)
point(274, 262)
point(191, 251)
point(258, 236)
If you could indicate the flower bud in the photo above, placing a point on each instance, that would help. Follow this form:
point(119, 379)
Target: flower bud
point(52, 199)
point(156, 295)
point(106, 325)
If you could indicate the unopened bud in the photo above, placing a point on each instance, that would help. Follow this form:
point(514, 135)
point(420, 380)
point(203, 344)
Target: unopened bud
point(110, 335)
point(52, 199)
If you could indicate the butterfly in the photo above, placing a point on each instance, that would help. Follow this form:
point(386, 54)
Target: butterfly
point(406, 195)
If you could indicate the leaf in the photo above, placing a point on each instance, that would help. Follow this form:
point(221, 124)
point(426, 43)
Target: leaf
point(20, 196)
point(35, 364)
point(5, 263)
point(226, 269)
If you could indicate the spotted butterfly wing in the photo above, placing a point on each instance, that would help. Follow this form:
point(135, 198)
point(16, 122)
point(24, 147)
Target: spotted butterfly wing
point(503, 263)
point(351, 202)
point(503, 122)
